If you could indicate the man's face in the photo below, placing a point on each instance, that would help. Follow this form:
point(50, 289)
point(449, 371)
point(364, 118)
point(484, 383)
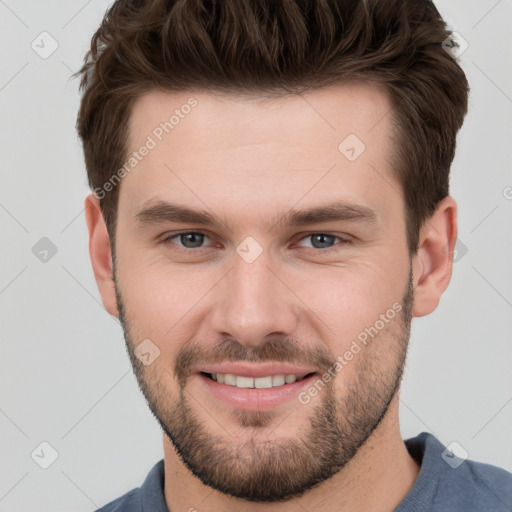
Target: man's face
point(328, 297)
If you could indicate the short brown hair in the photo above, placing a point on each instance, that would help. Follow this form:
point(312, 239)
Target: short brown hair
point(279, 47)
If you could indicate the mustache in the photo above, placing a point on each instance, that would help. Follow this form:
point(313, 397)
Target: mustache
point(275, 349)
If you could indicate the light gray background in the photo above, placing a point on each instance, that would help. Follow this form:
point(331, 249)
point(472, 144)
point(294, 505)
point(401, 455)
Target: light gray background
point(65, 376)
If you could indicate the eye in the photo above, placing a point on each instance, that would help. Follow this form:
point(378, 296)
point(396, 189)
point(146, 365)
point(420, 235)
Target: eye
point(188, 239)
point(324, 240)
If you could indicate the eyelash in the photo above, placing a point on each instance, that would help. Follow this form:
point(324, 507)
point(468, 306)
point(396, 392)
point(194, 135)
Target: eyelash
point(167, 241)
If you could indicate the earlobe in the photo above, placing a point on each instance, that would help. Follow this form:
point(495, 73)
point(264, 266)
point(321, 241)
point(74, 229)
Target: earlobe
point(100, 253)
point(433, 262)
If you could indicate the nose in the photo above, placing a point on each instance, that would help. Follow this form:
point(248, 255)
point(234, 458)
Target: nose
point(253, 301)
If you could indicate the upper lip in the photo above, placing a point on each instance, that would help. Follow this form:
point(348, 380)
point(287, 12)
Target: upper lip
point(256, 370)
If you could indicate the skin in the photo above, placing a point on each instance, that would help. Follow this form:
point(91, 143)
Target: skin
point(250, 161)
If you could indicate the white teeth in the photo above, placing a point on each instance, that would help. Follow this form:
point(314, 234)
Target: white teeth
point(239, 381)
point(229, 379)
point(263, 382)
point(244, 382)
point(278, 380)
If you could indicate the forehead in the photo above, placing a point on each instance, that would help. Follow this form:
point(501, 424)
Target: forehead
point(221, 148)
point(238, 120)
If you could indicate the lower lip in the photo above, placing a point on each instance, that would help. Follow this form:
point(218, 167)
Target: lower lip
point(253, 399)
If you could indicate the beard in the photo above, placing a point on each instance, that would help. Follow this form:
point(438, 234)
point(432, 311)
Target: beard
point(268, 469)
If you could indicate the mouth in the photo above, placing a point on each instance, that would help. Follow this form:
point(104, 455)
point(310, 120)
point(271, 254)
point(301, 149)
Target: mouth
point(259, 394)
point(269, 381)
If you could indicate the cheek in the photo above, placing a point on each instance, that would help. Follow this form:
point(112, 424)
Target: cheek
point(162, 301)
point(343, 302)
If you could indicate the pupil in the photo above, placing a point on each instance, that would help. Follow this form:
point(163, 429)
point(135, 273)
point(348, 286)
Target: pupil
point(322, 237)
point(191, 237)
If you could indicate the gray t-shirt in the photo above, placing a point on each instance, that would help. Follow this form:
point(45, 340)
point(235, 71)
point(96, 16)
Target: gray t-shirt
point(445, 484)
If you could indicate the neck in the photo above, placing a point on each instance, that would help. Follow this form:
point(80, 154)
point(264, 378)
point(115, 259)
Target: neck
point(377, 478)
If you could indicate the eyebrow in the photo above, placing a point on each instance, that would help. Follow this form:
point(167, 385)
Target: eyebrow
point(160, 212)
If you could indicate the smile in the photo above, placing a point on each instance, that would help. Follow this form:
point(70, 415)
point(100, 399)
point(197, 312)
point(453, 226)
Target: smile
point(259, 394)
point(269, 381)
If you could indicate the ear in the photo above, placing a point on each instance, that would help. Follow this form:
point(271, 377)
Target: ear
point(433, 262)
point(101, 254)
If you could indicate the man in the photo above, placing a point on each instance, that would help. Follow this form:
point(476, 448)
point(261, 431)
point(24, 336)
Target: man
point(270, 209)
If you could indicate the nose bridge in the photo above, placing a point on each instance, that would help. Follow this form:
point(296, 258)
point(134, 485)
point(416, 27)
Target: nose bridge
point(254, 302)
